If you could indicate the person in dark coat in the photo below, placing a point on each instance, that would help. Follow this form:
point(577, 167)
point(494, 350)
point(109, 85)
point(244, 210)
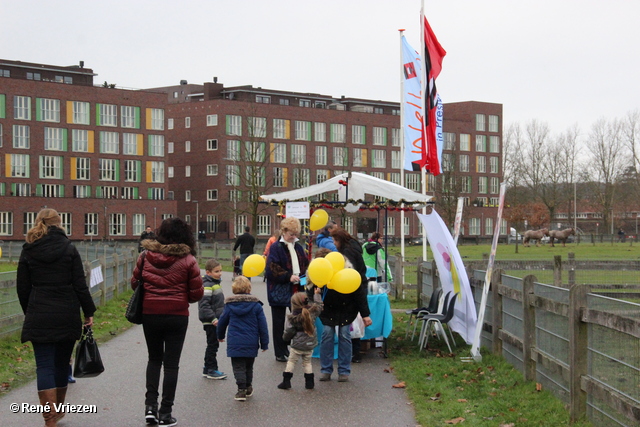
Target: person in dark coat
point(342, 309)
point(210, 309)
point(146, 234)
point(244, 317)
point(52, 289)
point(171, 278)
point(246, 242)
point(286, 263)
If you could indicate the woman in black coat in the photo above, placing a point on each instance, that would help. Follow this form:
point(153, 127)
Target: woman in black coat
point(52, 289)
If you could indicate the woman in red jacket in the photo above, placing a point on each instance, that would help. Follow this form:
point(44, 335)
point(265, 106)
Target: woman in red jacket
point(171, 277)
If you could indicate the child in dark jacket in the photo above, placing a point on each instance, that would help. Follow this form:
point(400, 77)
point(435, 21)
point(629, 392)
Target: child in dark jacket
point(210, 309)
point(300, 329)
point(244, 316)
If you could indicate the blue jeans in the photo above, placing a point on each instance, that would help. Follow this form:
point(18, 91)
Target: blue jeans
point(52, 363)
point(344, 349)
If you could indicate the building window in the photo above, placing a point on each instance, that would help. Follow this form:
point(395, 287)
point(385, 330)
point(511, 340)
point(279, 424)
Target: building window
point(321, 175)
point(465, 186)
point(358, 154)
point(132, 169)
point(303, 130)
point(5, 73)
point(169, 123)
point(212, 194)
point(493, 123)
point(494, 144)
point(233, 150)
point(254, 176)
point(481, 143)
point(130, 117)
point(279, 153)
point(258, 127)
point(187, 146)
point(129, 193)
point(482, 184)
point(233, 175)
point(157, 171)
point(279, 177)
point(212, 223)
point(157, 118)
point(474, 226)
point(109, 142)
point(170, 172)
point(394, 177)
point(6, 223)
point(51, 167)
point(108, 169)
point(212, 120)
point(28, 220)
point(21, 136)
point(130, 144)
point(280, 129)
point(379, 158)
point(494, 165)
point(156, 145)
point(305, 103)
point(212, 144)
point(395, 137)
point(321, 155)
point(187, 195)
point(284, 101)
point(187, 171)
point(235, 195)
point(212, 170)
point(338, 133)
point(156, 194)
point(480, 122)
point(263, 99)
point(22, 107)
point(379, 136)
point(396, 160)
point(340, 156)
point(298, 154)
point(107, 115)
point(80, 140)
point(465, 142)
point(91, 224)
point(81, 191)
point(83, 168)
point(254, 151)
point(464, 163)
point(234, 125)
point(481, 164)
point(51, 190)
point(117, 224)
point(187, 122)
point(139, 223)
point(300, 178)
point(320, 132)
point(494, 185)
point(19, 165)
point(358, 134)
point(80, 112)
point(34, 76)
point(48, 109)
point(449, 141)
point(391, 226)
point(412, 181)
point(54, 139)
point(264, 225)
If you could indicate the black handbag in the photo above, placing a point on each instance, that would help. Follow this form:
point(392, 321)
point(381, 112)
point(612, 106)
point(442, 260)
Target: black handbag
point(134, 307)
point(88, 362)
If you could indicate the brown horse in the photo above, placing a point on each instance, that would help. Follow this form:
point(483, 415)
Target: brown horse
point(534, 235)
point(561, 235)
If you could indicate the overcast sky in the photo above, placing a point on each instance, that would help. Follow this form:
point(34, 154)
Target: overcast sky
point(563, 62)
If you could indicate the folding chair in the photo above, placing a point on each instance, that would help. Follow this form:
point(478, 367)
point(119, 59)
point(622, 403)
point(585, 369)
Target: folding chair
point(438, 319)
point(416, 313)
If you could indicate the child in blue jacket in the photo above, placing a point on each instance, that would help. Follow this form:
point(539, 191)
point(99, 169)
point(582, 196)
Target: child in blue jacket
point(244, 316)
point(210, 309)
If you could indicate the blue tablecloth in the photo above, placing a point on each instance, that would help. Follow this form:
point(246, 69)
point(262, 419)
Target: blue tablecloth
point(381, 318)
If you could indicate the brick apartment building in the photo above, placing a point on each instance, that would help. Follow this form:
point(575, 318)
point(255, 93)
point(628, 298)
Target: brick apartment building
point(112, 161)
point(305, 138)
point(95, 154)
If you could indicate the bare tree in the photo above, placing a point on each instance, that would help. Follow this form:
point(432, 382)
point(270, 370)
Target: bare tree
point(607, 159)
point(631, 135)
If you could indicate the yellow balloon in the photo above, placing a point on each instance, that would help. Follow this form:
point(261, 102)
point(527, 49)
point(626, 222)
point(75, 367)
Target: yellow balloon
point(320, 271)
point(318, 219)
point(346, 281)
point(0, 252)
point(337, 261)
point(253, 265)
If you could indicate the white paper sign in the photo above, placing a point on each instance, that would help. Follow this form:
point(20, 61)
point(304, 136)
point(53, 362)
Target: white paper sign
point(298, 210)
point(96, 277)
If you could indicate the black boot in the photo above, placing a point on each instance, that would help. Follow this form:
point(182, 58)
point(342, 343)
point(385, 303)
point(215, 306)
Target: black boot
point(286, 381)
point(308, 381)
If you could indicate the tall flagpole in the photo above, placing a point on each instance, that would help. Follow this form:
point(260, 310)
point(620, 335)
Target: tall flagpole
point(425, 111)
point(402, 124)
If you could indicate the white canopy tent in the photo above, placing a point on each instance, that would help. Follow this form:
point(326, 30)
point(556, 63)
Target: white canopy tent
point(359, 184)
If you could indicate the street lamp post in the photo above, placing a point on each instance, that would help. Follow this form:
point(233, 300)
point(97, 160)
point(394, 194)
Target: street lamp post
point(197, 218)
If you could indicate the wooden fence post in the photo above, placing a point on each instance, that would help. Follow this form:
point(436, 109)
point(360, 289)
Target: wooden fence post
point(529, 327)
point(557, 271)
point(496, 319)
point(419, 283)
point(572, 269)
point(398, 277)
point(578, 341)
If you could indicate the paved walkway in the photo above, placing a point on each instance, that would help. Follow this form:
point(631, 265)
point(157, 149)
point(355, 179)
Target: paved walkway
point(118, 394)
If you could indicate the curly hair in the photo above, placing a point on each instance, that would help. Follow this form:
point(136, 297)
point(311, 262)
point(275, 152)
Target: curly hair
point(46, 218)
point(290, 224)
point(176, 231)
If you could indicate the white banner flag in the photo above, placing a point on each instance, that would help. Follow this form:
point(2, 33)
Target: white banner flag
point(412, 104)
point(453, 275)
